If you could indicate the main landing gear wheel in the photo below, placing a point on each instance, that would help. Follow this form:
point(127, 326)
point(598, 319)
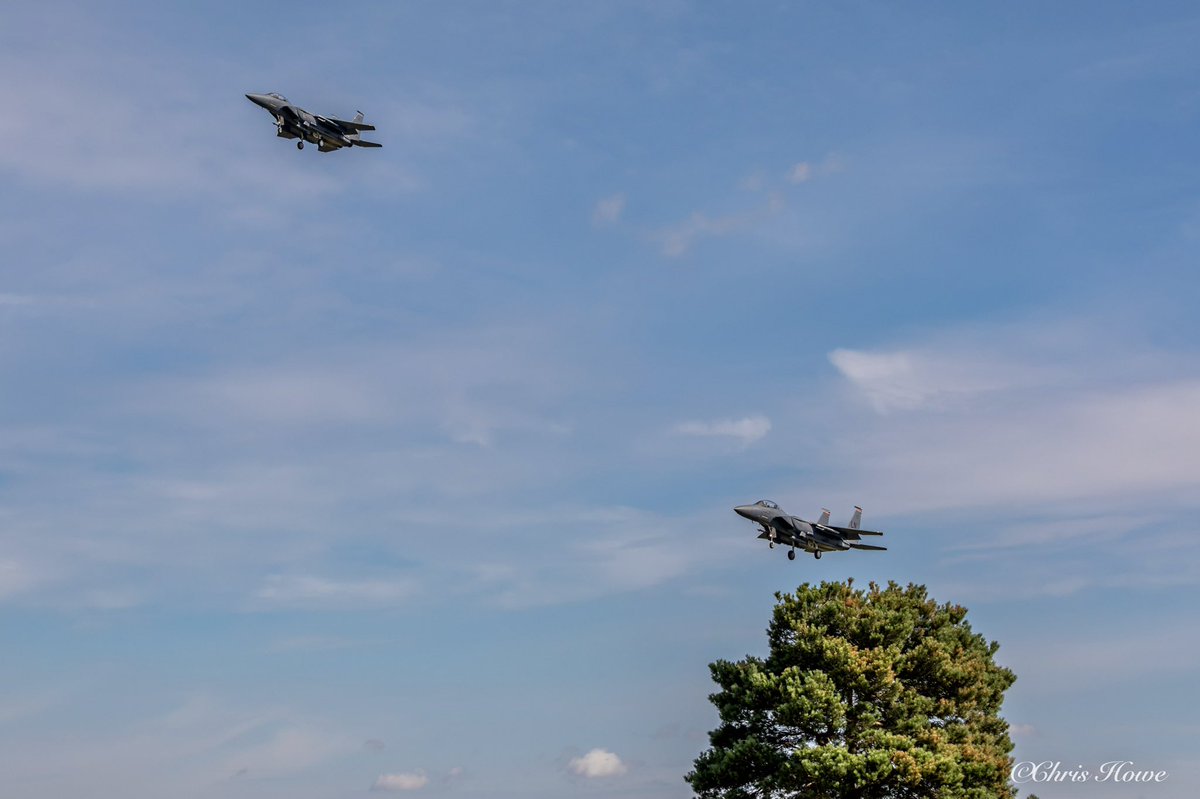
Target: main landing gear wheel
point(791, 554)
point(299, 145)
point(817, 554)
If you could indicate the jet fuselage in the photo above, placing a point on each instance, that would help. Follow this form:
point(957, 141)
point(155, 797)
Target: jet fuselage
point(780, 527)
point(293, 122)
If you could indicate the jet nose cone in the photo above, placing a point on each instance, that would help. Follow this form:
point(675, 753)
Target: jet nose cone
point(258, 99)
point(743, 511)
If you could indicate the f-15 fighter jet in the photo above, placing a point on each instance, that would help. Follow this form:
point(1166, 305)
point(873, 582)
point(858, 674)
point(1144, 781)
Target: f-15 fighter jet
point(815, 537)
point(293, 122)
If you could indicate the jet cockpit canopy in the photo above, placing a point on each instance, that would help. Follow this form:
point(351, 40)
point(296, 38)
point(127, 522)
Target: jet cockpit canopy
point(766, 503)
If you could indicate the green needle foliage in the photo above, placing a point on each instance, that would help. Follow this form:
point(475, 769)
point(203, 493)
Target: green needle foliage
point(865, 695)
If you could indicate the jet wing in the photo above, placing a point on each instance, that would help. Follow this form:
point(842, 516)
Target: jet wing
point(346, 125)
point(850, 532)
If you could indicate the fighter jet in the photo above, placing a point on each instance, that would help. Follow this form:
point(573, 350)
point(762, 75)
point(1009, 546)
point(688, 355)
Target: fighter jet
point(815, 537)
point(293, 122)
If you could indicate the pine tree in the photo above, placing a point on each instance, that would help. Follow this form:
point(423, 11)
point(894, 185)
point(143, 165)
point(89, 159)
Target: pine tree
point(877, 694)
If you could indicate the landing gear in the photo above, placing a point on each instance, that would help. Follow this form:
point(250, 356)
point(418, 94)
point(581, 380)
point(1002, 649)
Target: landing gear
point(791, 554)
point(300, 144)
point(770, 545)
point(817, 554)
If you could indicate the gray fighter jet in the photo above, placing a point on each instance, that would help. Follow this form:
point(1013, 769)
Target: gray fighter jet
point(293, 122)
point(815, 537)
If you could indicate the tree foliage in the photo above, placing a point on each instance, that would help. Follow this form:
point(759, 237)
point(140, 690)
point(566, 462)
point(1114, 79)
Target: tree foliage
point(869, 694)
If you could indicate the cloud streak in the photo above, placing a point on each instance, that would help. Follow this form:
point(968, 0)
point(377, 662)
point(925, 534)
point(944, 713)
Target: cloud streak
point(608, 210)
point(675, 240)
point(746, 430)
point(307, 590)
point(904, 380)
point(1028, 415)
point(403, 781)
point(678, 239)
point(175, 752)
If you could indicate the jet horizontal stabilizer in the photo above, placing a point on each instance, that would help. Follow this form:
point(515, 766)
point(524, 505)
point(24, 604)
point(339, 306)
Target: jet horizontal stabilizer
point(362, 143)
point(856, 545)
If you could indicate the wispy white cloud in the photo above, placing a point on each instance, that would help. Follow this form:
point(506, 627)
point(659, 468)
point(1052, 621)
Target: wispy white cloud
point(889, 380)
point(608, 210)
point(473, 386)
point(610, 550)
point(1024, 439)
point(1144, 654)
point(312, 643)
point(746, 430)
point(1094, 527)
point(630, 563)
point(290, 750)
point(677, 239)
point(804, 171)
point(176, 752)
point(283, 396)
point(1101, 444)
point(402, 781)
point(756, 181)
point(598, 764)
point(32, 703)
point(800, 173)
point(15, 578)
point(910, 380)
point(118, 150)
point(308, 590)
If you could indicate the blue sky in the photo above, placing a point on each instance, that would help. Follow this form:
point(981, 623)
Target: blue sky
point(413, 468)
